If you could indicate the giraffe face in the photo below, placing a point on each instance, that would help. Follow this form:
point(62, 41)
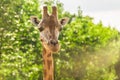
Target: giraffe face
point(49, 32)
point(49, 28)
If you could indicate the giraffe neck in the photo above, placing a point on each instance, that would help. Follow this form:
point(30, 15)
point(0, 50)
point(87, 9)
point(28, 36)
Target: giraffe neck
point(48, 67)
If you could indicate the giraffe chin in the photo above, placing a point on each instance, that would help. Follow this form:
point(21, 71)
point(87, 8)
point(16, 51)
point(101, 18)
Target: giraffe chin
point(53, 48)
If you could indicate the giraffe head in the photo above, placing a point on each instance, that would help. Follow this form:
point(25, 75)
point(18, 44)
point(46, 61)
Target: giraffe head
point(49, 27)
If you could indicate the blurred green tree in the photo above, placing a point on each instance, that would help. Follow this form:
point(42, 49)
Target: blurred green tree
point(20, 48)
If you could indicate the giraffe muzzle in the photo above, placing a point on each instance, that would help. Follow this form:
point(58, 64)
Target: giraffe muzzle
point(54, 42)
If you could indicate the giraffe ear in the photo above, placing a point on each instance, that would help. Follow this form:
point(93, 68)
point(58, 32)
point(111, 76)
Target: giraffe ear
point(64, 21)
point(35, 20)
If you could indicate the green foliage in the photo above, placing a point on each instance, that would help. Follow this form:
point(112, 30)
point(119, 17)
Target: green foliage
point(88, 51)
point(19, 42)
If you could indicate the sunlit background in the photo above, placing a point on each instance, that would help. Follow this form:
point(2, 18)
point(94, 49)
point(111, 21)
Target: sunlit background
point(108, 11)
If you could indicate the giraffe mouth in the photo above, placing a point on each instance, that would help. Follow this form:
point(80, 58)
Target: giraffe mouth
point(54, 48)
point(53, 45)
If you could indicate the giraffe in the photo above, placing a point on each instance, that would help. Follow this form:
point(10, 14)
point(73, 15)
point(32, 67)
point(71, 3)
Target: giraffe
point(49, 27)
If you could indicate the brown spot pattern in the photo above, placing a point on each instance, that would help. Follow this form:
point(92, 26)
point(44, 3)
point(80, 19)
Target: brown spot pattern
point(44, 52)
point(50, 77)
point(45, 73)
point(49, 62)
point(49, 55)
point(44, 62)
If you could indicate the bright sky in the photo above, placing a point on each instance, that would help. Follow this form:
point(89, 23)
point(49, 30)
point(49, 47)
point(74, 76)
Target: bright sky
point(108, 11)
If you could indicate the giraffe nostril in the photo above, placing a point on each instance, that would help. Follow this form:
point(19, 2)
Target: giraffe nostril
point(54, 42)
point(50, 36)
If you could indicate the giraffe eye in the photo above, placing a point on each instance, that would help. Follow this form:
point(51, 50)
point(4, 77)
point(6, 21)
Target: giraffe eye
point(41, 28)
